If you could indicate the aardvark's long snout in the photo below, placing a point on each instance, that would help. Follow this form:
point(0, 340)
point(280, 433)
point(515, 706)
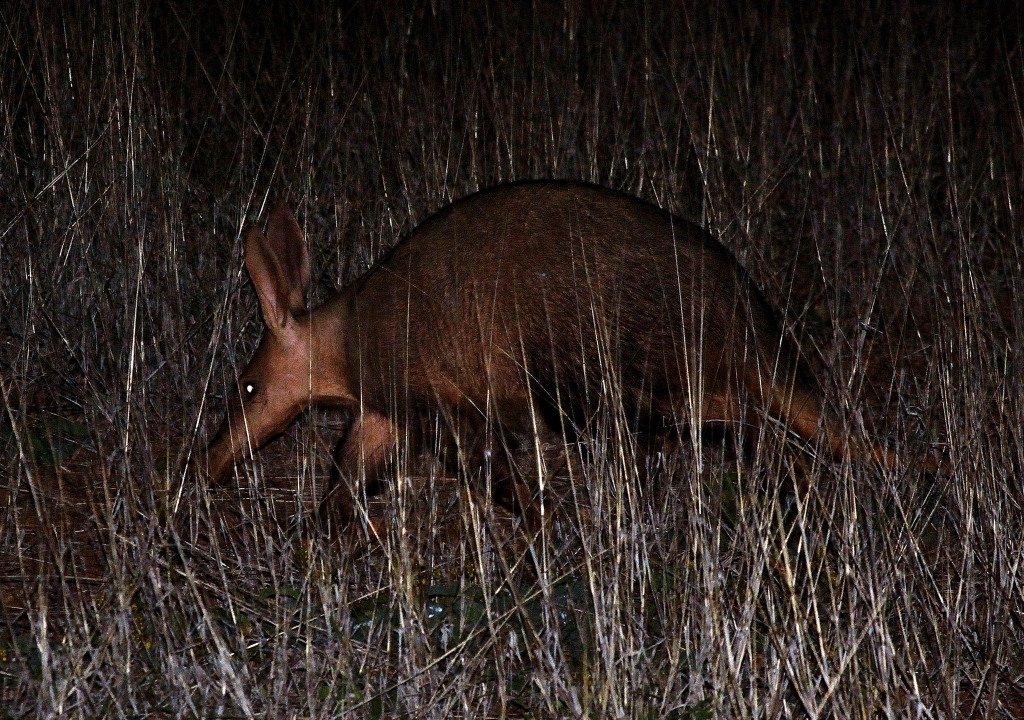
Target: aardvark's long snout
point(221, 454)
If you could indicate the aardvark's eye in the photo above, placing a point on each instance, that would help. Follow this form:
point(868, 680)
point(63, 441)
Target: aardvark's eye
point(249, 389)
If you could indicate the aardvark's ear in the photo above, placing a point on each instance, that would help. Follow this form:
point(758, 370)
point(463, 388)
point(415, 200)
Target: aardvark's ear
point(278, 264)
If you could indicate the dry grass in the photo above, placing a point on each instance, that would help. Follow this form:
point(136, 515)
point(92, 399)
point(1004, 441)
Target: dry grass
point(865, 165)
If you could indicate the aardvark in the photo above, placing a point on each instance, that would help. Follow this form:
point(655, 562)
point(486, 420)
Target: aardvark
point(528, 306)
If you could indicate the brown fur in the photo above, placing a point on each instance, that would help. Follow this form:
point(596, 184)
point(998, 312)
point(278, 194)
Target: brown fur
point(528, 297)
